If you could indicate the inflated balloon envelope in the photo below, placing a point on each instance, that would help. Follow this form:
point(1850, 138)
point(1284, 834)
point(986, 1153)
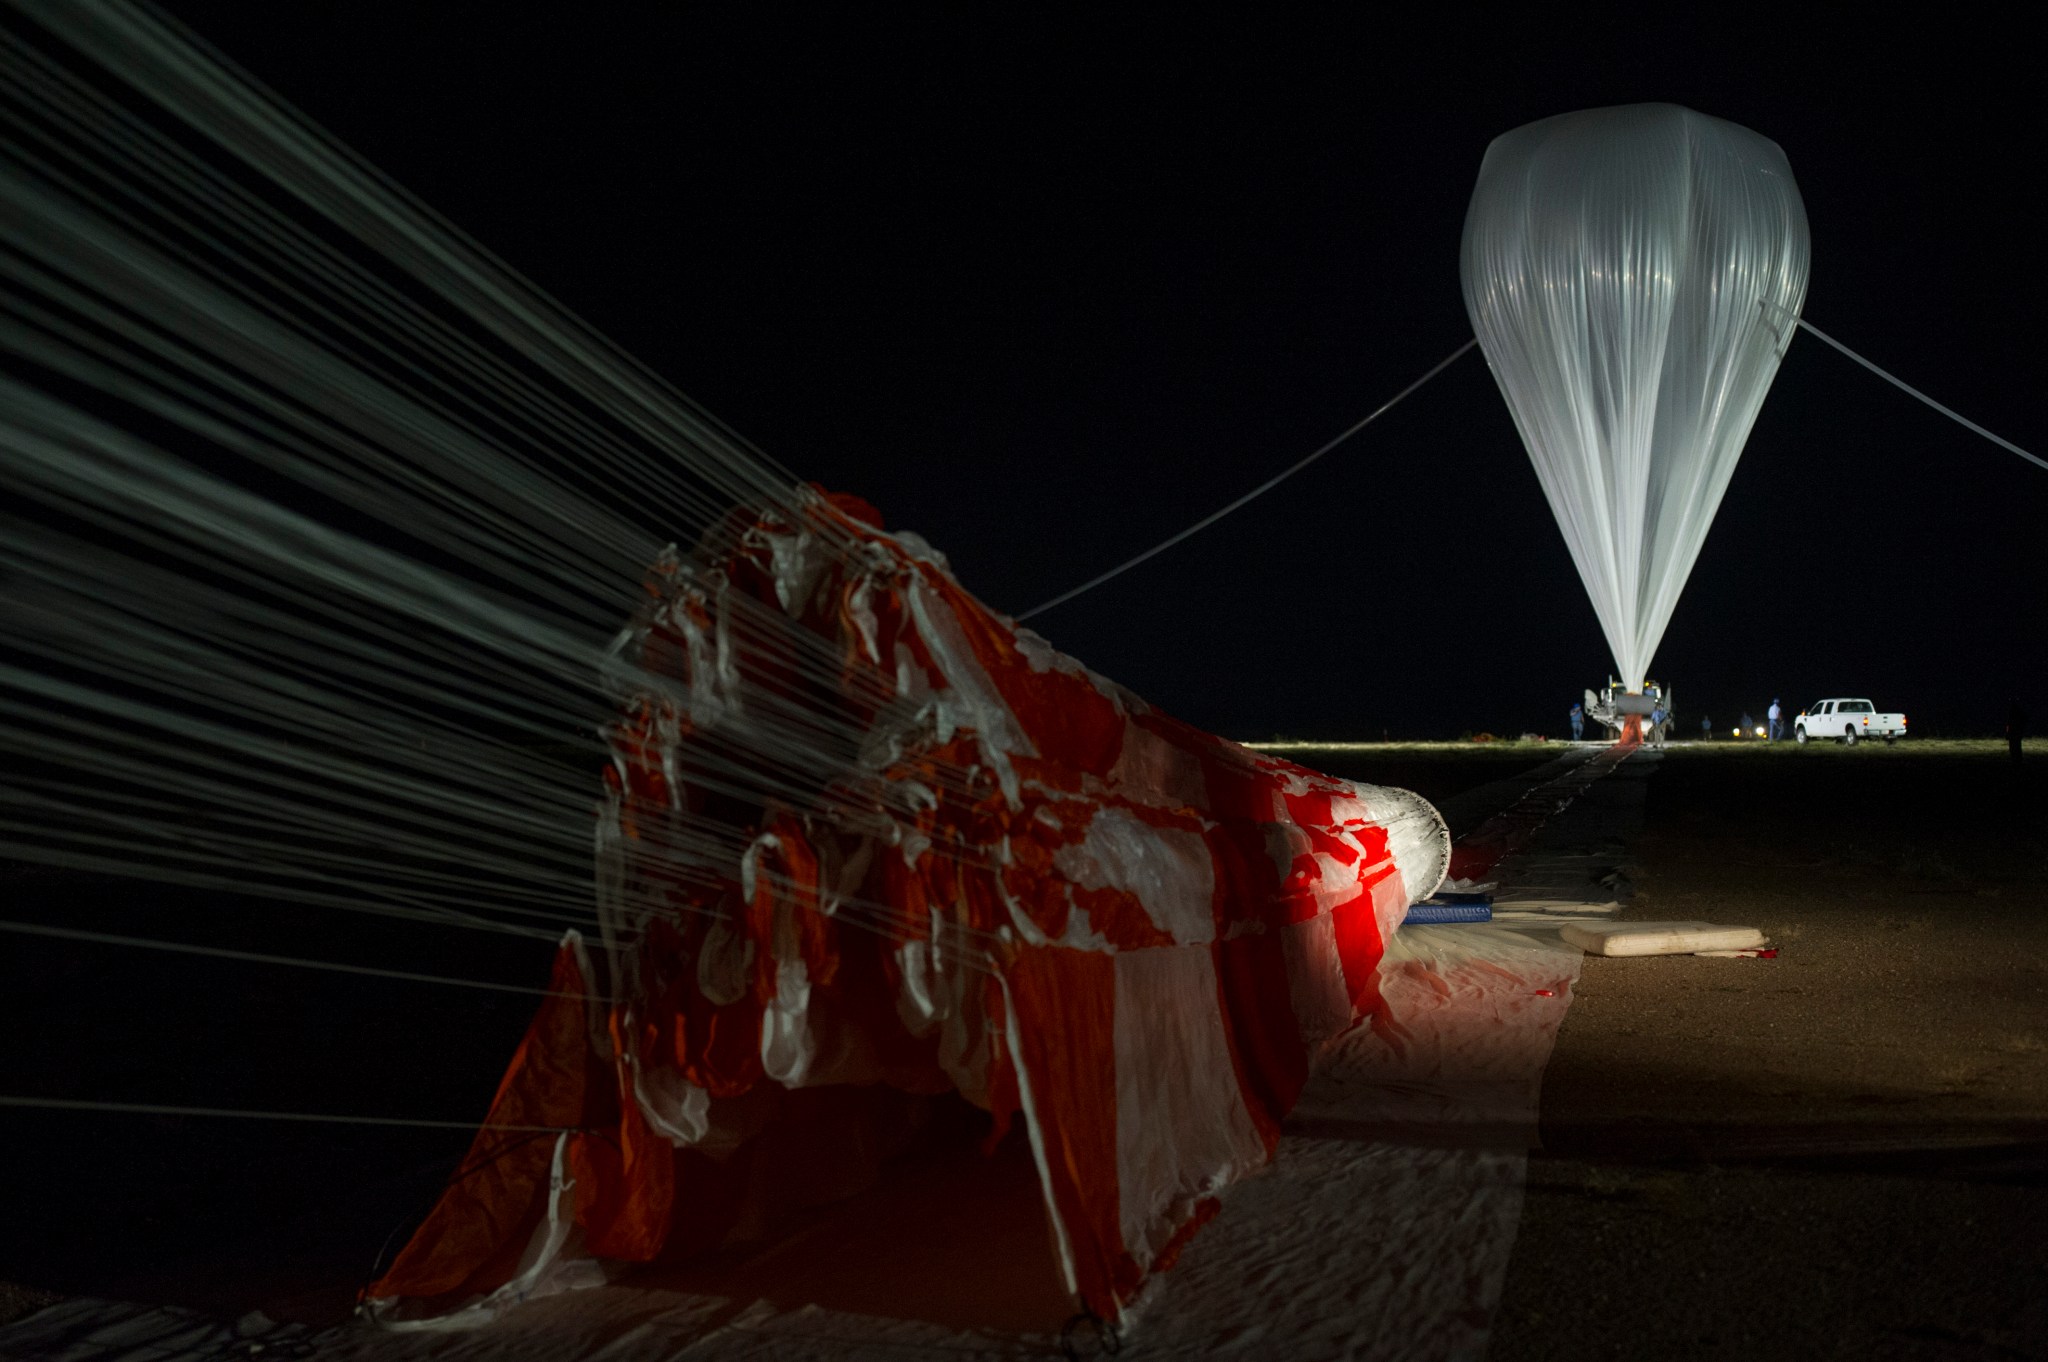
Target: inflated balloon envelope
point(1633, 275)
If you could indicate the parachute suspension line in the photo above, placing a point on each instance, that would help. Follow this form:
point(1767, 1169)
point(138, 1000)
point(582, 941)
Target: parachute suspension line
point(320, 595)
point(247, 1113)
point(1268, 485)
point(299, 962)
point(1912, 391)
point(155, 56)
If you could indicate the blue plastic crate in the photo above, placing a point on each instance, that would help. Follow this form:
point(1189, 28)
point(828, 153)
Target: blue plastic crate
point(1449, 912)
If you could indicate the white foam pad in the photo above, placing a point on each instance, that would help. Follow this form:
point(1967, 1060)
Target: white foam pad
point(1659, 938)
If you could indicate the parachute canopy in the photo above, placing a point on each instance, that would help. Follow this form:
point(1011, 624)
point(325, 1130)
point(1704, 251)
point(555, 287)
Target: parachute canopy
point(1633, 276)
point(1026, 886)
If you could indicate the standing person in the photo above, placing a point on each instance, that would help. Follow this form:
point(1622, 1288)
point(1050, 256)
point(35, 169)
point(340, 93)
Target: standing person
point(1777, 721)
point(2015, 729)
point(1657, 726)
point(1706, 729)
point(1578, 721)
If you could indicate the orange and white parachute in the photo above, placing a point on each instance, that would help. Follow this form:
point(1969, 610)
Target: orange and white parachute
point(1027, 886)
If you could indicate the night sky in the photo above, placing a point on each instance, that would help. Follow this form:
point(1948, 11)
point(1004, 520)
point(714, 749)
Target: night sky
point(1046, 293)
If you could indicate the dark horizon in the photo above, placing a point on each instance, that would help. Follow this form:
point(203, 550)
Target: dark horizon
point(1048, 296)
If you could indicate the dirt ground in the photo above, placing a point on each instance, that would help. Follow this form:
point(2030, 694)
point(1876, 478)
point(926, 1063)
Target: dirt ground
point(229, 1215)
point(1841, 1152)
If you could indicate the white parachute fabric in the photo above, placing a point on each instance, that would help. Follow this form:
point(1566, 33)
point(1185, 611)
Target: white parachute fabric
point(1634, 275)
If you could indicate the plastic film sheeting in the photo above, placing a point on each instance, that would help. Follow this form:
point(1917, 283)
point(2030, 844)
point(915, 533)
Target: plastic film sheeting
point(1633, 275)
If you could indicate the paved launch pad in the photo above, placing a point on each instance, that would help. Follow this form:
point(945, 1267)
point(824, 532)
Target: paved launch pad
point(1840, 1152)
point(1836, 1152)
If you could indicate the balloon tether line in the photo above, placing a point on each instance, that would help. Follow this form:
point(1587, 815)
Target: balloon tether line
point(1268, 485)
point(1912, 391)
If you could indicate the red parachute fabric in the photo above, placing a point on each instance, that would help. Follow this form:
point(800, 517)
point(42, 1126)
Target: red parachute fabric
point(1029, 887)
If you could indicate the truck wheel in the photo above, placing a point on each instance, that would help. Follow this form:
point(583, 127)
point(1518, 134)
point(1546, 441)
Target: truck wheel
point(1849, 736)
point(1799, 733)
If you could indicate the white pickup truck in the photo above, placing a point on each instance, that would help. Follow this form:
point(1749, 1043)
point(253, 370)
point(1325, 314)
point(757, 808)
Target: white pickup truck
point(1849, 720)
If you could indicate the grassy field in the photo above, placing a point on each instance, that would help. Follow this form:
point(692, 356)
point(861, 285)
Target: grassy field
point(1435, 770)
point(1993, 748)
point(1504, 750)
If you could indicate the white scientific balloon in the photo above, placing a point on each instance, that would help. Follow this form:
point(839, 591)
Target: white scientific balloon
point(1633, 275)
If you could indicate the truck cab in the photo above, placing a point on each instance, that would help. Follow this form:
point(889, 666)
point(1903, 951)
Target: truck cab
point(1847, 720)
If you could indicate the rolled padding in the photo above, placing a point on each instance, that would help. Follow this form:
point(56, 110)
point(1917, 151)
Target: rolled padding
point(1661, 938)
